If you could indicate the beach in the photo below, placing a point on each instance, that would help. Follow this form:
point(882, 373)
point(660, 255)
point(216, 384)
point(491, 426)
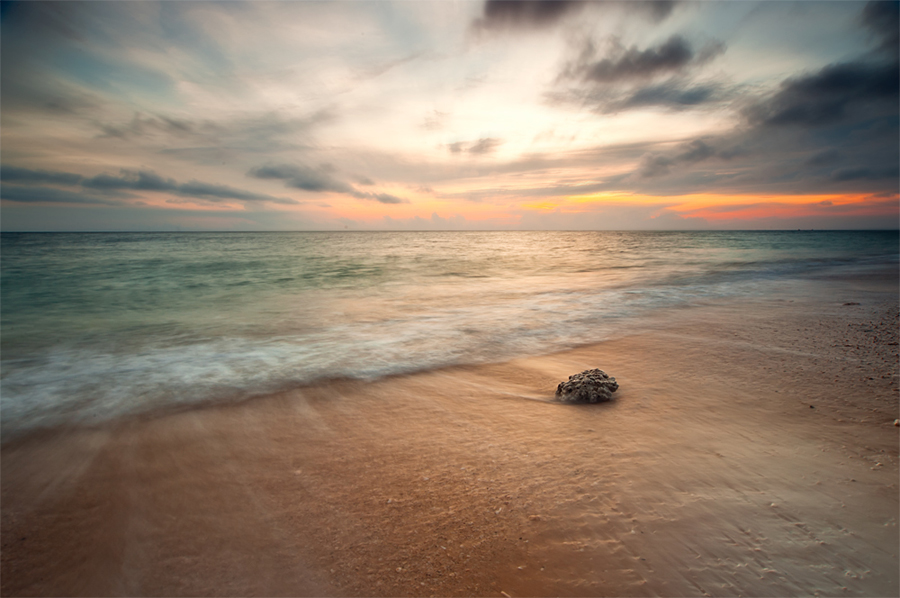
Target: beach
point(750, 450)
point(493, 298)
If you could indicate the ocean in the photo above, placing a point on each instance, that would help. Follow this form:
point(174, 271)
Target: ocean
point(100, 325)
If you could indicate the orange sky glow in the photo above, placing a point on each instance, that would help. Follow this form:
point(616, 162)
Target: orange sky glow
point(449, 115)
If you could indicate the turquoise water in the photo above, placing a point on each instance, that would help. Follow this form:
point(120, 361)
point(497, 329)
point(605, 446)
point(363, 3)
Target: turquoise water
point(103, 324)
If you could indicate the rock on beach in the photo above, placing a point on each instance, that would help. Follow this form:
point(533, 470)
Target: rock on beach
point(590, 386)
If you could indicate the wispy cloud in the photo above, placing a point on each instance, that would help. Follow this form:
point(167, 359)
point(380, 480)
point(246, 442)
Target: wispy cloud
point(321, 179)
point(130, 180)
point(527, 13)
point(41, 195)
point(675, 55)
point(494, 111)
point(485, 145)
point(537, 14)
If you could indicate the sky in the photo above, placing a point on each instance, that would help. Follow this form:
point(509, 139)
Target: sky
point(457, 115)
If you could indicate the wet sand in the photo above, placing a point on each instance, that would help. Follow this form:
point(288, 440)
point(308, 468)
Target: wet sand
point(749, 451)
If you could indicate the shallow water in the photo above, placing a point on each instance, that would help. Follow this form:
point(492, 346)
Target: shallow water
point(98, 325)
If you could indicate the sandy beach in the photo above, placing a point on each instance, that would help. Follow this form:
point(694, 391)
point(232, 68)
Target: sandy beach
point(751, 450)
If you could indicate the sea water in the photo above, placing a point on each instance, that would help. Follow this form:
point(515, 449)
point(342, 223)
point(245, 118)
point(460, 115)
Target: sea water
point(99, 325)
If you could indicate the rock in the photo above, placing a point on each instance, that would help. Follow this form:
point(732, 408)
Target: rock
point(590, 386)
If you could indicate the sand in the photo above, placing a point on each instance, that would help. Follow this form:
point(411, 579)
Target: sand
point(749, 451)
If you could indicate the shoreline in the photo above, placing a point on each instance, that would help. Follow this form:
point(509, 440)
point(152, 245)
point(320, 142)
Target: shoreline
point(750, 449)
point(873, 286)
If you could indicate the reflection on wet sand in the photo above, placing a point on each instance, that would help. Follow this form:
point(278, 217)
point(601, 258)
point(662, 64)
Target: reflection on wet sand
point(709, 474)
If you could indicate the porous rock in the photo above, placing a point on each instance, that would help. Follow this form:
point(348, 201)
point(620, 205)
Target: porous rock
point(590, 386)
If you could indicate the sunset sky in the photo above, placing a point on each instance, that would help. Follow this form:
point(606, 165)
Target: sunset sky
point(449, 115)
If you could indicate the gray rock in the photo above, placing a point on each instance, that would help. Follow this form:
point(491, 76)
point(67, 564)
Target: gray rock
point(590, 386)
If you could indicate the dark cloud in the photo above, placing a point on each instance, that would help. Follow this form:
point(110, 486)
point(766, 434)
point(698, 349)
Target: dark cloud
point(32, 194)
point(527, 13)
point(13, 174)
point(883, 18)
point(653, 165)
point(695, 151)
point(671, 94)
point(628, 78)
point(141, 125)
point(136, 180)
point(863, 172)
point(195, 188)
point(380, 197)
point(318, 179)
point(141, 180)
point(25, 92)
point(826, 97)
point(302, 177)
point(858, 154)
point(150, 181)
point(656, 9)
point(675, 95)
point(824, 158)
point(538, 14)
point(675, 55)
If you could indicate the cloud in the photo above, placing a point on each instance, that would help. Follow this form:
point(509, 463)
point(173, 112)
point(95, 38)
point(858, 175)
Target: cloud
point(670, 94)
point(527, 13)
point(826, 97)
point(695, 151)
point(655, 9)
point(653, 165)
point(143, 180)
point(138, 180)
point(542, 14)
point(319, 179)
point(377, 70)
point(435, 121)
point(485, 145)
point(675, 55)
point(260, 132)
point(823, 158)
point(386, 198)
point(862, 172)
point(141, 125)
point(883, 18)
point(134, 180)
point(629, 78)
point(31, 194)
point(13, 174)
point(302, 177)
